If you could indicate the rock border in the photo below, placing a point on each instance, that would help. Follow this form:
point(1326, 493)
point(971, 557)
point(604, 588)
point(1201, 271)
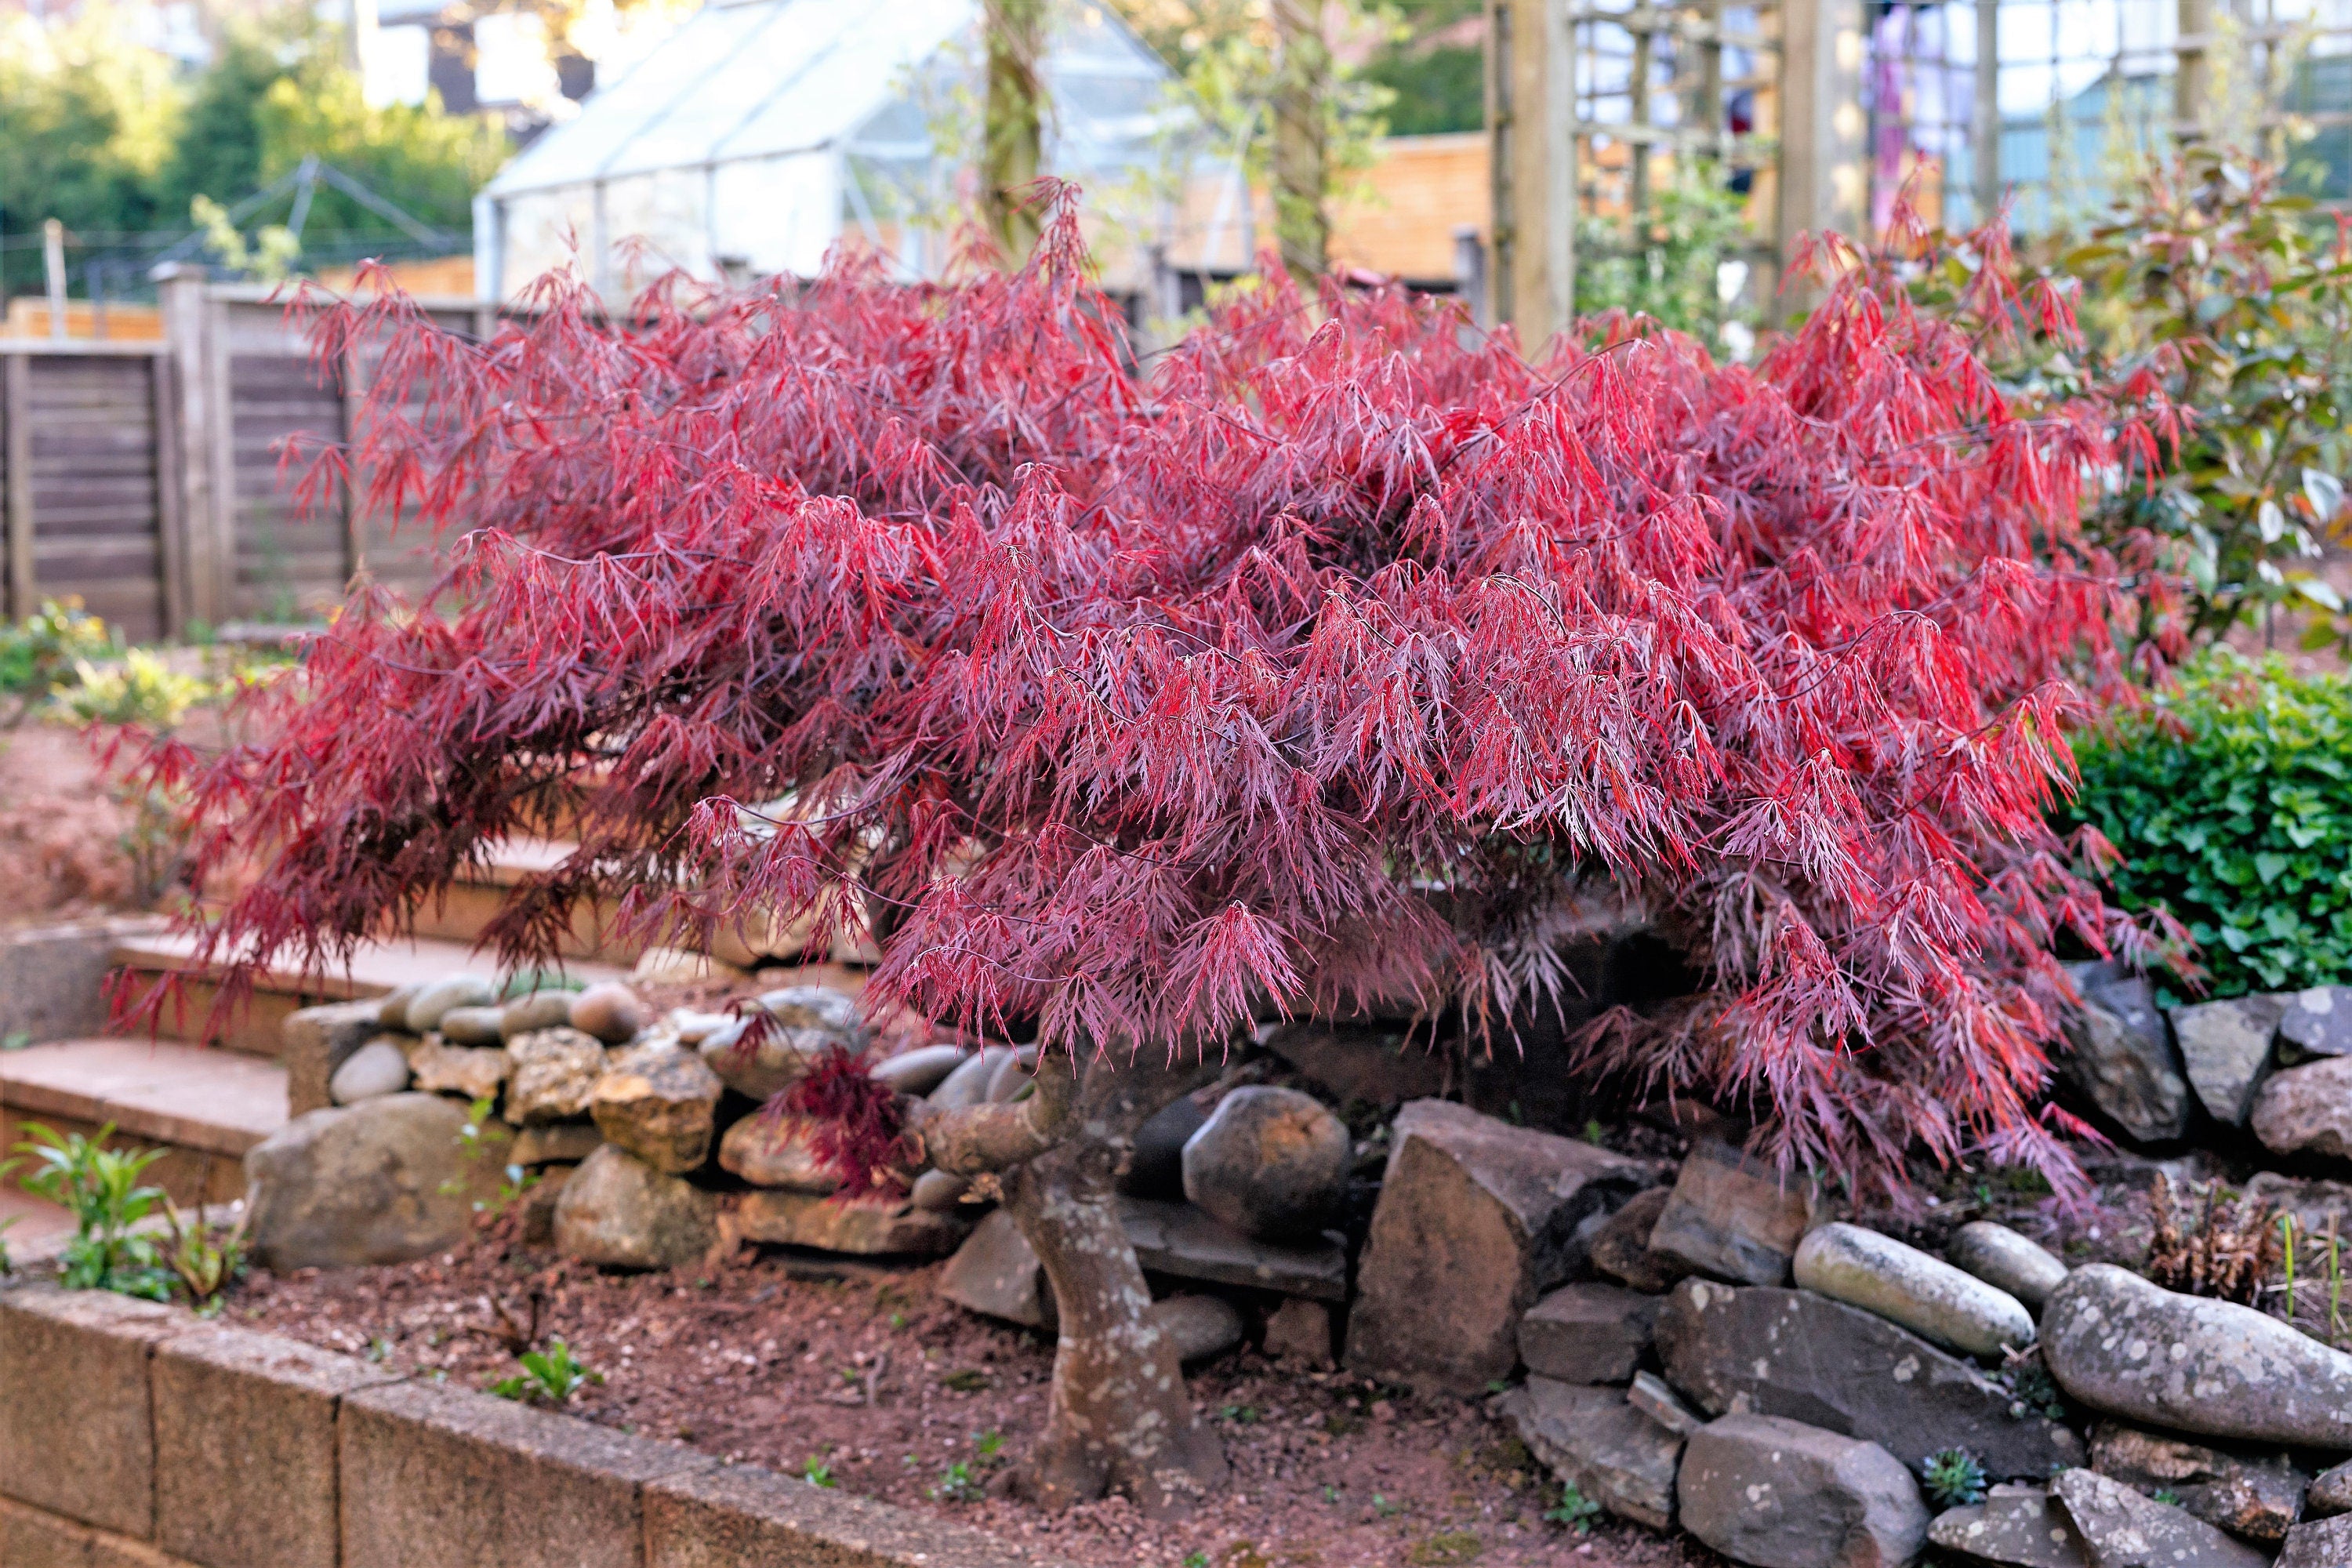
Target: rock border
point(136, 1432)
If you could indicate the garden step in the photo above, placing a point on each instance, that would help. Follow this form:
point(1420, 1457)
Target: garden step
point(375, 968)
point(32, 1228)
point(205, 1108)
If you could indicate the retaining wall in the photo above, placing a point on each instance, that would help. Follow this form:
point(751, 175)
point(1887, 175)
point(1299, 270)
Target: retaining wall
point(134, 1434)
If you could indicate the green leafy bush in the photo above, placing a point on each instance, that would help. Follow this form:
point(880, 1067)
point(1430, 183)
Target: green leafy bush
point(41, 652)
point(2231, 805)
point(102, 1187)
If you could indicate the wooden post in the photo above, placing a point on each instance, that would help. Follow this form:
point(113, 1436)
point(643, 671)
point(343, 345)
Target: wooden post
point(349, 375)
point(1302, 219)
point(171, 494)
point(1531, 129)
point(1012, 123)
point(180, 288)
point(17, 388)
point(1988, 109)
point(2192, 79)
point(1824, 186)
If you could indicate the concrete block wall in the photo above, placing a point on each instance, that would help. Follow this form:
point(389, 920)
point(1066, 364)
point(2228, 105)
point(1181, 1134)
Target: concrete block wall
point(135, 1435)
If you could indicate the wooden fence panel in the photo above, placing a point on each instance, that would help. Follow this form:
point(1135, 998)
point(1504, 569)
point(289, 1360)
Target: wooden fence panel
point(87, 483)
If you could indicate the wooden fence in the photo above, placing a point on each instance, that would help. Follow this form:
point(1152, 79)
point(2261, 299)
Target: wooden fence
point(144, 478)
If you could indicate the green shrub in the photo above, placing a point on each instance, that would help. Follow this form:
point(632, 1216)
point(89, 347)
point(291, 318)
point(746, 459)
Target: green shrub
point(2230, 803)
point(40, 653)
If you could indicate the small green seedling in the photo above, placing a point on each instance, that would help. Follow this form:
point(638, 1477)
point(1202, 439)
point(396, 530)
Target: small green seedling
point(817, 1473)
point(1576, 1511)
point(1952, 1479)
point(552, 1374)
point(957, 1484)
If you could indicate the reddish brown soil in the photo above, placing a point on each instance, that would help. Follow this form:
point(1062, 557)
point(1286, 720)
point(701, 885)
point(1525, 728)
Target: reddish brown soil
point(61, 833)
point(886, 1386)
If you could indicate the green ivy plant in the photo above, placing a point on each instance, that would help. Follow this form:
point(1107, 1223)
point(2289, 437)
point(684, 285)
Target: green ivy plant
point(2229, 805)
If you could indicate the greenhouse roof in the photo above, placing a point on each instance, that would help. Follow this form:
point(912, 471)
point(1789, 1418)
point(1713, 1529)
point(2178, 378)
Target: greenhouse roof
point(763, 79)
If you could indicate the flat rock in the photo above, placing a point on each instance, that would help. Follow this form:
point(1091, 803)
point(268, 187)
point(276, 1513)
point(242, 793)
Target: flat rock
point(540, 1010)
point(1270, 1163)
point(941, 1192)
point(2125, 1347)
point(2006, 1260)
point(996, 1274)
point(2306, 1109)
point(1621, 1247)
point(1733, 1216)
point(1477, 1219)
point(661, 1104)
point(1612, 1453)
point(609, 1012)
point(755, 1057)
point(1587, 1332)
point(818, 1010)
point(376, 1069)
point(1178, 1239)
point(1804, 1356)
point(2316, 1023)
point(2224, 1046)
point(390, 1009)
point(779, 1151)
point(1300, 1331)
point(475, 1025)
point(2319, 1543)
point(2120, 1057)
point(968, 1084)
point(473, 1072)
point(920, 1070)
point(1156, 1167)
point(1777, 1493)
point(869, 1226)
point(2330, 1492)
point(1203, 1327)
point(1940, 1303)
point(2257, 1497)
point(619, 1211)
point(2121, 1529)
point(2021, 1525)
point(314, 1041)
point(1363, 1064)
point(1649, 1395)
point(427, 1002)
point(384, 1180)
point(554, 1077)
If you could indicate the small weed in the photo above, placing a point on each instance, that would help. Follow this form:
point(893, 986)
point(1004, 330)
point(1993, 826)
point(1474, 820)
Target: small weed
point(1332, 1494)
point(16, 1040)
point(379, 1349)
point(988, 1447)
point(1196, 1560)
point(957, 1484)
point(1952, 1478)
point(101, 1187)
point(817, 1473)
point(1449, 1546)
point(1576, 1511)
point(1239, 1415)
point(2166, 1496)
point(552, 1374)
point(971, 1380)
point(2030, 1384)
point(1385, 1508)
point(1595, 1134)
point(1343, 1424)
point(205, 1259)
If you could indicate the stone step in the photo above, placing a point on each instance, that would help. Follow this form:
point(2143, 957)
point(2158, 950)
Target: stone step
point(375, 968)
point(204, 1107)
point(31, 1228)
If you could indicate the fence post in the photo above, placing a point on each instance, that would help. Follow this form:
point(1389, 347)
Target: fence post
point(1822, 133)
point(180, 291)
point(2191, 76)
point(1531, 133)
point(17, 388)
point(1988, 109)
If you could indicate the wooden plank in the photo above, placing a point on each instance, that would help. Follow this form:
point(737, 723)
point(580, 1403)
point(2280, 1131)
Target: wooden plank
point(171, 526)
point(220, 554)
point(17, 388)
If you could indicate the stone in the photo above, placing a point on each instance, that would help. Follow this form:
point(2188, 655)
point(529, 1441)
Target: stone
point(920, 1070)
point(1902, 1284)
point(384, 1180)
point(555, 1144)
point(1589, 1437)
point(1778, 1494)
point(2319, 1544)
point(77, 1437)
point(1362, 1064)
point(1179, 1240)
point(554, 1077)
point(2125, 1347)
point(314, 1041)
point(265, 1499)
point(1270, 1163)
point(730, 1516)
point(777, 1151)
point(2330, 1492)
point(390, 1009)
point(2224, 1046)
point(692, 1025)
point(423, 1014)
point(1156, 1167)
point(2006, 1260)
point(2306, 1109)
point(1476, 1218)
point(941, 1192)
point(1795, 1353)
point(661, 1104)
point(1587, 1332)
point(2021, 1525)
point(540, 1010)
point(544, 1191)
point(2316, 1023)
point(2252, 1495)
point(1300, 1331)
point(2120, 1057)
point(1649, 1395)
point(680, 965)
point(2121, 1529)
point(756, 1057)
point(968, 1084)
point(1203, 1327)
point(471, 1072)
point(376, 1069)
point(1012, 1075)
point(996, 1274)
point(868, 1225)
point(475, 1025)
point(1732, 1216)
point(1621, 1247)
point(818, 1010)
point(609, 1012)
point(617, 1211)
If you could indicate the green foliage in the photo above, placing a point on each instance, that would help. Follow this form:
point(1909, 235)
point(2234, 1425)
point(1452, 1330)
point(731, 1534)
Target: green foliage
point(1952, 1478)
point(1576, 1510)
point(1669, 267)
point(142, 689)
point(552, 1374)
point(2229, 805)
point(1435, 80)
point(957, 1484)
point(207, 1257)
point(817, 1473)
point(102, 1187)
point(41, 652)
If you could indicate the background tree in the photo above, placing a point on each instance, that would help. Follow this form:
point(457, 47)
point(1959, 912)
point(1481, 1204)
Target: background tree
point(1013, 129)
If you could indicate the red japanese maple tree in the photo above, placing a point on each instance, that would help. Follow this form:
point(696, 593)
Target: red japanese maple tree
point(1320, 667)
